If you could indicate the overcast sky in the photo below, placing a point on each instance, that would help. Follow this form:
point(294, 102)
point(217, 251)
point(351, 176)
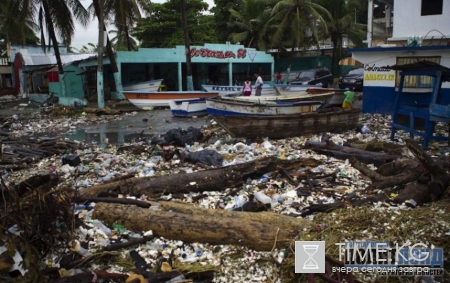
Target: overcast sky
point(83, 36)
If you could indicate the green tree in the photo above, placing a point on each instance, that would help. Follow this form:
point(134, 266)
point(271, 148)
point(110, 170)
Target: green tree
point(340, 21)
point(56, 17)
point(163, 28)
point(222, 15)
point(14, 31)
point(249, 24)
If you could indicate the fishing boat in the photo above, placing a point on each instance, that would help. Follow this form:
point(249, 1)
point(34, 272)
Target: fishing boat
point(151, 85)
point(284, 126)
point(225, 90)
point(325, 97)
point(150, 99)
point(336, 99)
point(188, 107)
point(290, 89)
point(226, 107)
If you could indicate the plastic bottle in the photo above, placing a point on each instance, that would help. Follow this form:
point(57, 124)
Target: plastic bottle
point(102, 227)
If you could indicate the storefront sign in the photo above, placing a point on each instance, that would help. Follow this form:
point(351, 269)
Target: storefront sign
point(374, 73)
point(218, 54)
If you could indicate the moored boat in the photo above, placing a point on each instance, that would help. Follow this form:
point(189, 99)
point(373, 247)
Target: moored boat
point(149, 99)
point(226, 107)
point(188, 107)
point(326, 96)
point(290, 89)
point(151, 85)
point(225, 90)
point(283, 126)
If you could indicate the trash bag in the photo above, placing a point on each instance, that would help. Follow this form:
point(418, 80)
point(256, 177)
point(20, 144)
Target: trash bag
point(206, 156)
point(180, 137)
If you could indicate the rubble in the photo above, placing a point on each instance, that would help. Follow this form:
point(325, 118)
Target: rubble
point(287, 192)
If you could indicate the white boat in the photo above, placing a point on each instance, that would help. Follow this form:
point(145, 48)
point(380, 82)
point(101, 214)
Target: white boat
point(288, 89)
point(152, 85)
point(150, 99)
point(224, 90)
point(188, 107)
point(226, 107)
point(326, 96)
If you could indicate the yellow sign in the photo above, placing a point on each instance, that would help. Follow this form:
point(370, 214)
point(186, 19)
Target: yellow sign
point(379, 77)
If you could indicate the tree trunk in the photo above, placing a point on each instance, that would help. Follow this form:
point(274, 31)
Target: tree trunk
point(329, 148)
point(100, 87)
point(189, 82)
point(223, 227)
point(216, 179)
point(51, 31)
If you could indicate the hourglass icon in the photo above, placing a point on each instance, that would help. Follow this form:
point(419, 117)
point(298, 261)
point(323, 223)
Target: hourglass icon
point(310, 263)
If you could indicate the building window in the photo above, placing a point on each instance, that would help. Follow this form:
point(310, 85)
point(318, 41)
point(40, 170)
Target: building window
point(415, 81)
point(431, 7)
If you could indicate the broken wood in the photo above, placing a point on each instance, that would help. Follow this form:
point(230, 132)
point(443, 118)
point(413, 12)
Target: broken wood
point(329, 148)
point(216, 228)
point(216, 179)
point(409, 172)
point(136, 202)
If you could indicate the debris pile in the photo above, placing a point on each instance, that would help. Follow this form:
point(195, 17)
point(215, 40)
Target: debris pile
point(210, 208)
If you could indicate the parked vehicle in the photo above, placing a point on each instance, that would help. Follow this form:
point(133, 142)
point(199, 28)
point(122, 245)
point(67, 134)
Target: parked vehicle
point(313, 77)
point(353, 78)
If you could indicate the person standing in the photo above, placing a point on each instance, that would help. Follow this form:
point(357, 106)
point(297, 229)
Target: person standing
point(278, 77)
point(247, 90)
point(348, 100)
point(258, 85)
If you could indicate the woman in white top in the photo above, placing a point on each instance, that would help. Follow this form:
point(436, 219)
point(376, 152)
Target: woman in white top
point(247, 90)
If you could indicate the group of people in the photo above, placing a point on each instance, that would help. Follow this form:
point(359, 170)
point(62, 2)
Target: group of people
point(247, 90)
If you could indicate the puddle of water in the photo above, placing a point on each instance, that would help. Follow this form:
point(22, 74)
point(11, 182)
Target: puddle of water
point(103, 136)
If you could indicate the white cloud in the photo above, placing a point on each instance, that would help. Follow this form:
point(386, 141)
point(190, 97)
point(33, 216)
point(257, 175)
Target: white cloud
point(83, 35)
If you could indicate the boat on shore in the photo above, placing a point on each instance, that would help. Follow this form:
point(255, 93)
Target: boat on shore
point(226, 90)
point(150, 99)
point(290, 89)
point(151, 85)
point(324, 97)
point(226, 107)
point(188, 107)
point(284, 126)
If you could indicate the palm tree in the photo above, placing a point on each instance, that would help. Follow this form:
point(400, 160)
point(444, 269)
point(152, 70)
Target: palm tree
point(341, 23)
point(295, 23)
point(12, 30)
point(119, 42)
point(189, 82)
point(125, 14)
point(249, 23)
point(54, 16)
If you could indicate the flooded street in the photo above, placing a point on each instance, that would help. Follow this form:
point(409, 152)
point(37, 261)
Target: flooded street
point(134, 125)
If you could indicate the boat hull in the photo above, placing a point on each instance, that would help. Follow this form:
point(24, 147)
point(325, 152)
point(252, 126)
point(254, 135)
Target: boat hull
point(152, 85)
point(284, 126)
point(292, 97)
point(225, 90)
point(188, 107)
point(225, 107)
point(147, 99)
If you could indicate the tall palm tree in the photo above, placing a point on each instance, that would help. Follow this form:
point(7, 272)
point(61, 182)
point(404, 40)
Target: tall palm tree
point(12, 29)
point(249, 24)
point(56, 17)
point(187, 43)
point(295, 24)
point(341, 23)
point(123, 14)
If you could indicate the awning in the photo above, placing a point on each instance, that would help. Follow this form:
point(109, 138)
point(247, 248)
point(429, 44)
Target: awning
point(350, 62)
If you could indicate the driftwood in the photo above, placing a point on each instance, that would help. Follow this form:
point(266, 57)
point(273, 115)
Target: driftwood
point(136, 202)
point(259, 231)
point(401, 172)
point(215, 179)
point(329, 148)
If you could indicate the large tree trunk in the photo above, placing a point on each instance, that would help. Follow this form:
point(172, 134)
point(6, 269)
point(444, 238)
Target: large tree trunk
point(216, 179)
point(187, 44)
point(258, 231)
point(329, 148)
point(100, 87)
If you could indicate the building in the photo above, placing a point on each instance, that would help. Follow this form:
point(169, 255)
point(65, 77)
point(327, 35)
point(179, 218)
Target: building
point(218, 64)
point(420, 31)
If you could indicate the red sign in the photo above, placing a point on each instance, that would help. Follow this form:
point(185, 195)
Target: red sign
point(207, 53)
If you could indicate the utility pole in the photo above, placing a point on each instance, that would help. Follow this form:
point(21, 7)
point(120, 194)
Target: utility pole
point(187, 44)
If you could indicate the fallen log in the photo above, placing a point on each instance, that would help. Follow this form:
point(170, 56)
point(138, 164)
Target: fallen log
point(215, 179)
point(223, 227)
point(408, 171)
point(136, 202)
point(329, 148)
